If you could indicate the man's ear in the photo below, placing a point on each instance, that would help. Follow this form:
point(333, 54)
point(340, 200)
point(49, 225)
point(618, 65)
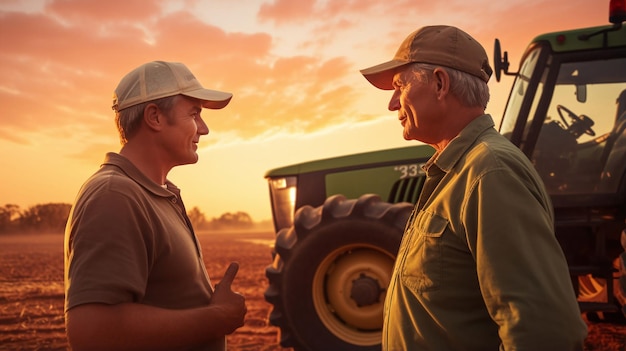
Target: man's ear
point(152, 117)
point(442, 80)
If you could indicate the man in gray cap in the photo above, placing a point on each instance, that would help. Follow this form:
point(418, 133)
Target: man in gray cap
point(479, 267)
point(135, 277)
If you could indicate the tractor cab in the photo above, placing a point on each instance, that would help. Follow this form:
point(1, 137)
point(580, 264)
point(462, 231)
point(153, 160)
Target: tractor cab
point(567, 108)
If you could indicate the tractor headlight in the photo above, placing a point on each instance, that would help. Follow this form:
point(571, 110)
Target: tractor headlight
point(283, 196)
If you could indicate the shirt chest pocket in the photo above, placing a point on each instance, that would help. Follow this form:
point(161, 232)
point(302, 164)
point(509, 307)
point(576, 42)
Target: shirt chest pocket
point(422, 267)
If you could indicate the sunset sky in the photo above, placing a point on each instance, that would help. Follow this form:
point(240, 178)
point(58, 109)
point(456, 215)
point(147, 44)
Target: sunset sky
point(292, 65)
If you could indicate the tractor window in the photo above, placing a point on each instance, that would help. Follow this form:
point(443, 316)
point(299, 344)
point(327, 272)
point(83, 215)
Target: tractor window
point(518, 92)
point(582, 143)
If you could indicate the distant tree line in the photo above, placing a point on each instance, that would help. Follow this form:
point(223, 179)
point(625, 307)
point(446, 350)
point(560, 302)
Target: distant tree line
point(39, 218)
point(237, 220)
point(51, 218)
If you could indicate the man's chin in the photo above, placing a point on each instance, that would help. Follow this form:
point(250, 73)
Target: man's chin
point(190, 160)
point(406, 136)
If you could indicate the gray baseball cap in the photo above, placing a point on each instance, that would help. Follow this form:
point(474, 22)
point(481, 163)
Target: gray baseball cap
point(159, 79)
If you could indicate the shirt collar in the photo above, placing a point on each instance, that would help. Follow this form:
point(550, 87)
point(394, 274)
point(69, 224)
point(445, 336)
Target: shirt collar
point(117, 160)
point(452, 153)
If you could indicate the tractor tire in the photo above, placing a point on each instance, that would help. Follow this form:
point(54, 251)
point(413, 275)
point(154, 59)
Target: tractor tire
point(328, 280)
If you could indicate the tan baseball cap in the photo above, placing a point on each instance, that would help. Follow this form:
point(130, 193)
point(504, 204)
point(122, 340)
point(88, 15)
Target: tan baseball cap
point(159, 79)
point(437, 45)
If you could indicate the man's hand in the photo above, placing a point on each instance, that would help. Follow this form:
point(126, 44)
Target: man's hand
point(232, 304)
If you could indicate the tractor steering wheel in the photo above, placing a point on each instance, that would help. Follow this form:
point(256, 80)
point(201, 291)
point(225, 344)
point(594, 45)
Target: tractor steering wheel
point(580, 124)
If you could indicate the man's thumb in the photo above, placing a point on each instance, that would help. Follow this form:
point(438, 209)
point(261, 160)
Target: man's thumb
point(230, 274)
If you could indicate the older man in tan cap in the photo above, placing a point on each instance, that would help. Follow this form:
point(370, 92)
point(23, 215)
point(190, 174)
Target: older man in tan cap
point(134, 273)
point(479, 267)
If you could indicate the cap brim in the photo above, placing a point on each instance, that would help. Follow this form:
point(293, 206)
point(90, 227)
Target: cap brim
point(381, 76)
point(213, 99)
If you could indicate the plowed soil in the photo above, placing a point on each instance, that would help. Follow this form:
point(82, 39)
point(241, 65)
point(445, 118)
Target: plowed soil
point(31, 292)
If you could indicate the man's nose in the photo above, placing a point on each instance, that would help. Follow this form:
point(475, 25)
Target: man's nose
point(394, 103)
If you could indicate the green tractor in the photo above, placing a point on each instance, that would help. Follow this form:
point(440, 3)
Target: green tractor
point(339, 221)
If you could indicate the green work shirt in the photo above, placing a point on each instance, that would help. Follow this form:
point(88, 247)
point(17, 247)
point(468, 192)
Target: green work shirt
point(129, 240)
point(479, 267)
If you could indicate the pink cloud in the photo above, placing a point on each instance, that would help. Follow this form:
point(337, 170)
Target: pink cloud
point(60, 67)
point(97, 11)
point(286, 11)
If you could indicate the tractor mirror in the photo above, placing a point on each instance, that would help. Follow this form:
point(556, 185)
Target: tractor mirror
point(499, 63)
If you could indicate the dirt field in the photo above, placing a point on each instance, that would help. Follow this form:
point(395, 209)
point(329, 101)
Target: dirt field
point(31, 293)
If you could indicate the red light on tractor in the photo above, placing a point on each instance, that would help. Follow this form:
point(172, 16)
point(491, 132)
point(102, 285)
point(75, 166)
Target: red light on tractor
point(560, 39)
point(617, 11)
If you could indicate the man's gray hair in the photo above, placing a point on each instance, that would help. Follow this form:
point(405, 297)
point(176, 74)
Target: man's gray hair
point(470, 90)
